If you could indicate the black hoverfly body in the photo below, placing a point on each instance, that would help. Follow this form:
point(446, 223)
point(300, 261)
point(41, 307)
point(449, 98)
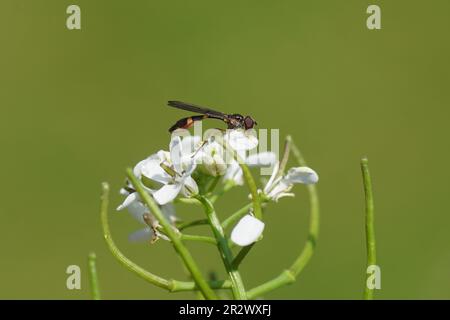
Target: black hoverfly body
point(233, 121)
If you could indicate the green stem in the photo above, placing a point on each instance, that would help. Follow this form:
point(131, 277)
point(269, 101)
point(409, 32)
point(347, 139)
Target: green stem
point(227, 186)
point(257, 210)
point(370, 223)
point(178, 286)
point(310, 245)
point(130, 265)
point(189, 237)
point(93, 277)
point(288, 276)
point(236, 216)
point(225, 252)
point(285, 158)
point(184, 225)
point(284, 278)
point(314, 222)
point(174, 237)
point(187, 201)
point(241, 255)
point(171, 285)
point(248, 177)
point(213, 184)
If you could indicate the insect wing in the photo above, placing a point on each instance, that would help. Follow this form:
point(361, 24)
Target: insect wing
point(198, 109)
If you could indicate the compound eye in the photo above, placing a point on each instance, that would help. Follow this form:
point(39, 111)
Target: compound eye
point(249, 123)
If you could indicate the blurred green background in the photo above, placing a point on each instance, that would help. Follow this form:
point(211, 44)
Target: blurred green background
point(78, 107)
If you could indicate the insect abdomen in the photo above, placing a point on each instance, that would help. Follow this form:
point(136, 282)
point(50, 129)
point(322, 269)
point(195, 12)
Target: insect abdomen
point(186, 123)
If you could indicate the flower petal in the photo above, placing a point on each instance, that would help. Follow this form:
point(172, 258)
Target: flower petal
point(241, 140)
point(189, 165)
point(190, 187)
point(262, 159)
point(137, 210)
point(151, 169)
point(270, 183)
point(128, 200)
point(303, 175)
point(124, 192)
point(213, 148)
point(137, 170)
point(282, 186)
point(234, 173)
point(214, 165)
point(167, 193)
point(163, 156)
point(146, 234)
point(220, 166)
point(176, 153)
point(284, 195)
point(189, 144)
point(247, 231)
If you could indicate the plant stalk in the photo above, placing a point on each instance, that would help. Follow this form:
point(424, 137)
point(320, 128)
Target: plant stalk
point(175, 238)
point(370, 223)
point(225, 252)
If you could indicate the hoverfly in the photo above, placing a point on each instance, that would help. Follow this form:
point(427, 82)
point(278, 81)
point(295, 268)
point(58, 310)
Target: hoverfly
point(233, 121)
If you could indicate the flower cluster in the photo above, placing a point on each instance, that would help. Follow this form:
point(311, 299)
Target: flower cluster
point(192, 166)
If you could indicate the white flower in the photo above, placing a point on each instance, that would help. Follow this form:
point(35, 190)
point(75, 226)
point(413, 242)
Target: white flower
point(190, 144)
point(278, 187)
point(234, 173)
point(211, 158)
point(240, 139)
point(262, 159)
point(137, 210)
point(247, 231)
point(172, 170)
point(214, 159)
point(150, 167)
